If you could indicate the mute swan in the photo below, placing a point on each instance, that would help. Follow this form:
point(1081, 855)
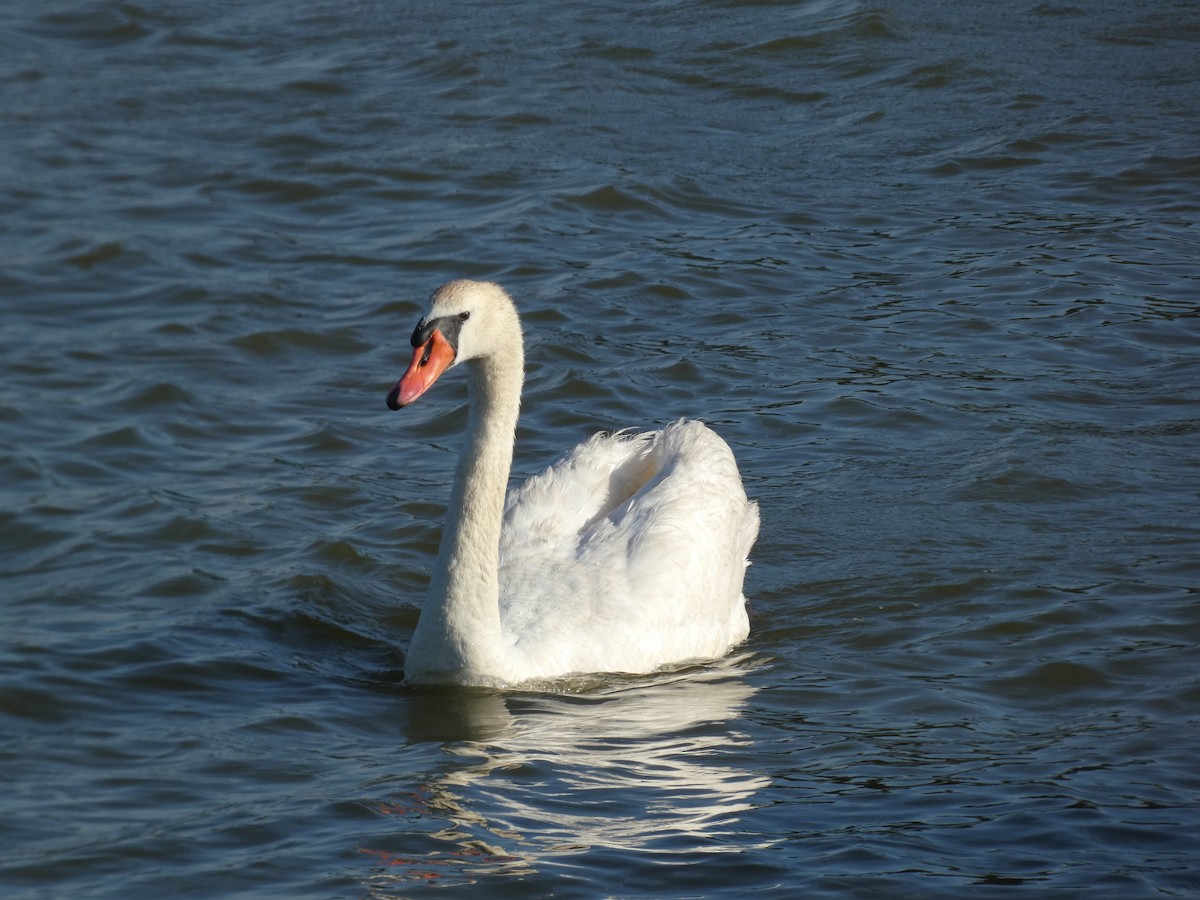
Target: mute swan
point(625, 556)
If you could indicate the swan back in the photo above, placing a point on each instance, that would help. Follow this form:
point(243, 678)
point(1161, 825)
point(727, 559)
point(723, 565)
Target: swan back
point(627, 554)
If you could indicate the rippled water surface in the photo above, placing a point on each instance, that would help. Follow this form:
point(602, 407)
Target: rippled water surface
point(930, 268)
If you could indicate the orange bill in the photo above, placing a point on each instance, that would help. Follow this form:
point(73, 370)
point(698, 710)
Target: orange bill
point(429, 361)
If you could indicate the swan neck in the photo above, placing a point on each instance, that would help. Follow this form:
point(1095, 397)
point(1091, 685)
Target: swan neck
point(459, 636)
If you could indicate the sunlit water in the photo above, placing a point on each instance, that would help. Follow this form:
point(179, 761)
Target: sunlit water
point(930, 268)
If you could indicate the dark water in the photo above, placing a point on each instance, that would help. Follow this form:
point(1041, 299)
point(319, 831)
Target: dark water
point(932, 268)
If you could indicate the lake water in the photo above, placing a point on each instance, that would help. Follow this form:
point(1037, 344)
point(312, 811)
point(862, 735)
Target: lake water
point(931, 268)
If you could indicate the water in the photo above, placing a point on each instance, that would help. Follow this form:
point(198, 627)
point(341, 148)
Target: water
point(930, 269)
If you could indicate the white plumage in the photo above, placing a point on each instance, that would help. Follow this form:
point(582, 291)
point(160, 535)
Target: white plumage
point(626, 555)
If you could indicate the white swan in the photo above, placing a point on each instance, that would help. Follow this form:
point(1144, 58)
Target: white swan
point(625, 556)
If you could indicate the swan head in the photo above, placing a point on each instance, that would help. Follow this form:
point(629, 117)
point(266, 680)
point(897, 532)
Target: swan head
point(467, 320)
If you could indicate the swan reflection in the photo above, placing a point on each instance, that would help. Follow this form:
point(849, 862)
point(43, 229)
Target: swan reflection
point(659, 767)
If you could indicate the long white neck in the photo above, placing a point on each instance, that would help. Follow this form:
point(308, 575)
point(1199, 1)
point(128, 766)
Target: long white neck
point(458, 636)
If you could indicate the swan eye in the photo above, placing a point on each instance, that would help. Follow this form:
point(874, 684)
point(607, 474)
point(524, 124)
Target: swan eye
point(463, 316)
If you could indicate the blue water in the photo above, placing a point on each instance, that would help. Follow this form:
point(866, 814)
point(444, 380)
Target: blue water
point(930, 269)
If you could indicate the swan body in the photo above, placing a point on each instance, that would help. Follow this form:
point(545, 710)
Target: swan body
point(626, 555)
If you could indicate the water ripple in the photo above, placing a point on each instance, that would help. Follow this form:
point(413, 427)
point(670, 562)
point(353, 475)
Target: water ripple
point(930, 275)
